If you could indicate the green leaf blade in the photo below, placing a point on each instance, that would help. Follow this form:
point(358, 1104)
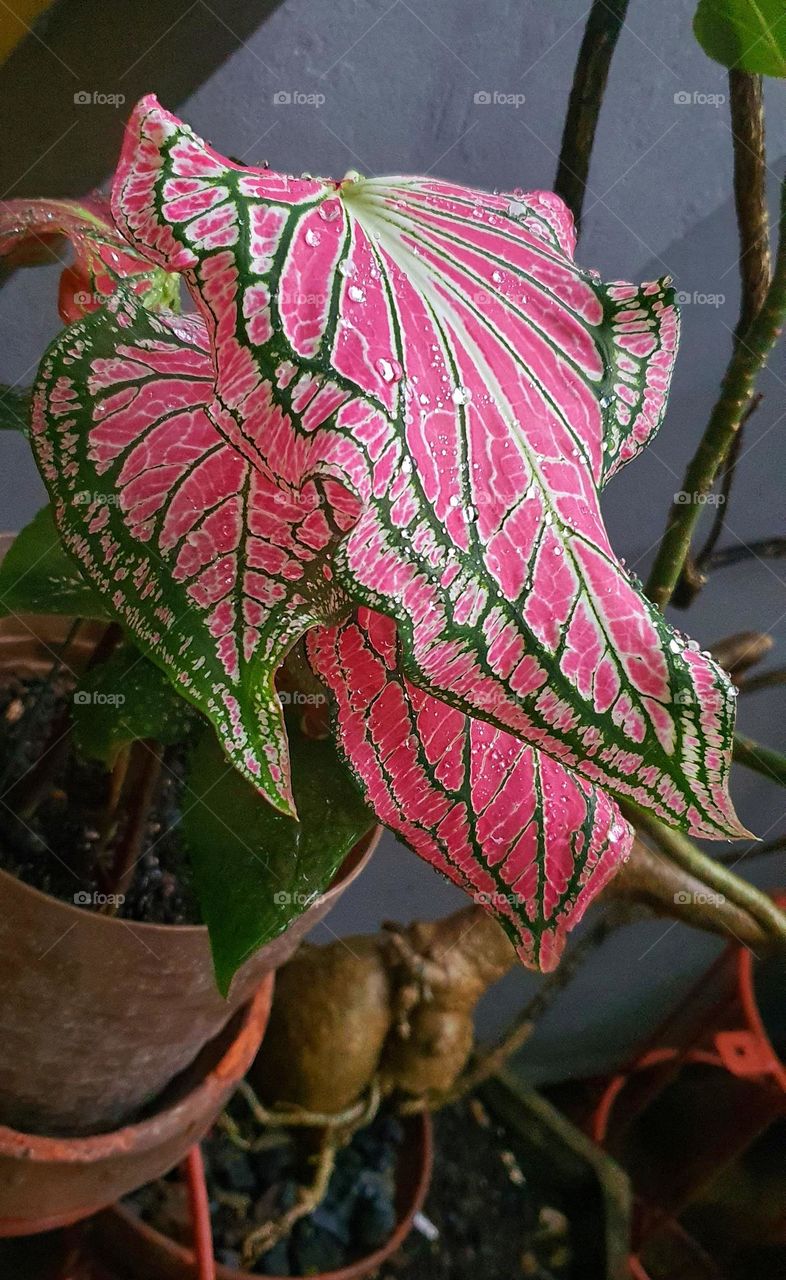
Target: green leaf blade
point(255, 869)
point(744, 35)
point(38, 576)
point(126, 699)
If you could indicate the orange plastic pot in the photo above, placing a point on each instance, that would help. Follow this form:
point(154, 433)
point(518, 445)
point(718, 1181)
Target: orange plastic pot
point(52, 1182)
point(134, 1249)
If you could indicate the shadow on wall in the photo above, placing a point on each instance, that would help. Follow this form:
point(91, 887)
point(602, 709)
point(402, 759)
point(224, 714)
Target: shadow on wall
point(66, 90)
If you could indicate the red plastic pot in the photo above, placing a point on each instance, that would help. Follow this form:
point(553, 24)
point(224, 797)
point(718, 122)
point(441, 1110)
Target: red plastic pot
point(52, 1182)
point(723, 1027)
point(134, 1249)
point(676, 1254)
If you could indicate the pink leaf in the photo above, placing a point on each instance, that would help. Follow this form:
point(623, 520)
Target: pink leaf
point(530, 841)
point(32, 231)
point(423, 372)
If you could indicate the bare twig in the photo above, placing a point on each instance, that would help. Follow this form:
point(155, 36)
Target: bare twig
point(712, 873)
point(760, 759)
point(767, 680)
point(142, 778)
point(739, 383)
point(694, 573)
point(765, 549)
point(605, 21)
point(746, 99)
point(738, 652)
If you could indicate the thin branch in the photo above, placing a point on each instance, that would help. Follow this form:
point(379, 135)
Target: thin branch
point(746, 99)
point(765, 549)
point(767, 680)
point(747, 361)
point(760, 759)
point(687, 855)
point(142, 779)
point(604, 24)
point(694, 573)
point(738, 652)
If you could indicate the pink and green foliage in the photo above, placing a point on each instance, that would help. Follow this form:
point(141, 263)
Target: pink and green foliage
point(389, 426)
point(532, 841)
point(32, 231)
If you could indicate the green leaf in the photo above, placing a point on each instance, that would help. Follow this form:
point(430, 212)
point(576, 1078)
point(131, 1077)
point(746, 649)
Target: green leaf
point(748, 35)
point(38, 576)
point(124, 699)
point(14, 409)
point(255, 869)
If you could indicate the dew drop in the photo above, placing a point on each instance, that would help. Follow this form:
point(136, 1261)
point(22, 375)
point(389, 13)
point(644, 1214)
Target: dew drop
point(388, 370)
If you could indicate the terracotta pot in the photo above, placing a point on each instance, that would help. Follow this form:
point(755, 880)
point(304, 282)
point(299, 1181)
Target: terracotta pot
point(51, 1182)
point(135, 1249)
point(98, 1014)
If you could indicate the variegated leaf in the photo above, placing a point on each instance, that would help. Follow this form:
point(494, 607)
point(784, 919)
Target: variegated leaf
point(529, 840)
point(425, 372)
point(187, 543)
point(31, 231)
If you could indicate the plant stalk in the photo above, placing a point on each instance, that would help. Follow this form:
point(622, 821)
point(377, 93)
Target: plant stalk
point(604, 24)
point(686, 854)
point(739, 383)
point(760, 759)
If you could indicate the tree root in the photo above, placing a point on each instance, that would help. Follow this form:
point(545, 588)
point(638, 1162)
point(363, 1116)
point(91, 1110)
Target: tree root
point(309, 1197)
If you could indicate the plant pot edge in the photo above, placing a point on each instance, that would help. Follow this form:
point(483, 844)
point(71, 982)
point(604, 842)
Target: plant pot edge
point(157, 1142)
point(119, 1230)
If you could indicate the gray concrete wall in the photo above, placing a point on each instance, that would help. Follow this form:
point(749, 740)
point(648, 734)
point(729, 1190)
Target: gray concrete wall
point(398, 82)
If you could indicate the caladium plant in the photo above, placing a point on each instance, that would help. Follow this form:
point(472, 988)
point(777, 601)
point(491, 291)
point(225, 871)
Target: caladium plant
point(388, 426)
point(31, 232)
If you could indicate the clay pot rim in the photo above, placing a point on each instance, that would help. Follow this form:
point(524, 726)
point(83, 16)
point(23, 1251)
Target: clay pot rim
point(350, 869)
point(142, 1135)
point(421, 1139)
